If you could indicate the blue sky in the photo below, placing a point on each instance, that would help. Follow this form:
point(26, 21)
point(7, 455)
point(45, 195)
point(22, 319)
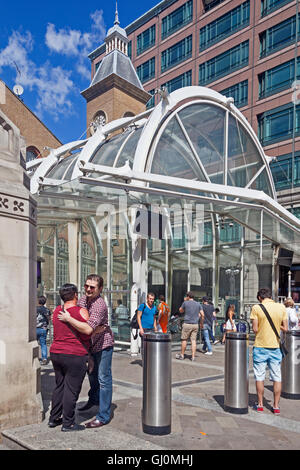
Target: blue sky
point(44, 48)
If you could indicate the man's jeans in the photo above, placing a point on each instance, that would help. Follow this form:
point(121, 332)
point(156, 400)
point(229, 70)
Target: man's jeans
point(101, 384)
point(41, 336)
point(206, 334)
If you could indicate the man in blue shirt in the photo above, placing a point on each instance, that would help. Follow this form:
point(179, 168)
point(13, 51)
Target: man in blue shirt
point(146, 315)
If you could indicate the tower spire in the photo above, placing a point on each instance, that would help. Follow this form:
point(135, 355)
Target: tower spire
point(117, 14)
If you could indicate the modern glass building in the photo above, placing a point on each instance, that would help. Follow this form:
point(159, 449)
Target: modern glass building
point(179, 197)
point(242, 49)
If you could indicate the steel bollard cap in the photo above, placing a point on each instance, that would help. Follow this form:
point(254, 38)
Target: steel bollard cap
point(157, 337)
point(236, 335)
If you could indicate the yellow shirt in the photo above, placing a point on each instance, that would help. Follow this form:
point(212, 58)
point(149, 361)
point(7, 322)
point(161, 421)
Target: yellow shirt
point(265, 337)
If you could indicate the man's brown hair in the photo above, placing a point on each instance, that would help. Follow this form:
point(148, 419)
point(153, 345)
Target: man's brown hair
point(95, 277)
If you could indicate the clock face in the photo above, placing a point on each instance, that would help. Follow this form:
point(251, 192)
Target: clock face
point(99, 121)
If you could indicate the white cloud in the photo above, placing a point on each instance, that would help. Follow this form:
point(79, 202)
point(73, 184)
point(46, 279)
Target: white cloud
point(52, 85)
point(73, 43)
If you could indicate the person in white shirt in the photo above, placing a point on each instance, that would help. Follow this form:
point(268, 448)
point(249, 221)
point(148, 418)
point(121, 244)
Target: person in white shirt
point(291, 312)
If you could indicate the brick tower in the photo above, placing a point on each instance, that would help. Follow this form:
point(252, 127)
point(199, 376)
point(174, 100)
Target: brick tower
point(115, 90)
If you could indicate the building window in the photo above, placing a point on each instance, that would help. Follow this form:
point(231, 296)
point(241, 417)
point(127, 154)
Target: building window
point(278, 78)
point(277, 124)
point(177, 53)
point(146, 71)
point(177, 19)
point(224, 64)
point(88, 261)
point(151, 102)
point(145, 40)
point(179, 82)
point(99, 120)
point(286, 171)
point(278, 37)
point(129, 49)
point(62, 262)
point(224, 26)
point(210, 4)
point(32, 153)
point(267, 6)
point(295, 211)
point(239, 92)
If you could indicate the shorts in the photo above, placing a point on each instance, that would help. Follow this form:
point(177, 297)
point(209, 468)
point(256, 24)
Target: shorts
point(189, 330)
point(270, 357)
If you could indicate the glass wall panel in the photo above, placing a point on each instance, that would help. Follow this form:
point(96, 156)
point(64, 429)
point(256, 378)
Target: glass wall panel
point(173, 156)
point(129, 148)
point(243, 158)
point(181, 81)
point(207, 139)
point(107, 152)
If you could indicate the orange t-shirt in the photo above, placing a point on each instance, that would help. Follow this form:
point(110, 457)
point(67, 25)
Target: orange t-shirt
point(164, 311)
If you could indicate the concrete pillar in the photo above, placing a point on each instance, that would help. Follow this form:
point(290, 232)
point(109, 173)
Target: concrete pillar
point(20, 391)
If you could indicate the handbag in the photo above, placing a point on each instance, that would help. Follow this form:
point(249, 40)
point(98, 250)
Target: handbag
point(283, 349)
point(91, 362)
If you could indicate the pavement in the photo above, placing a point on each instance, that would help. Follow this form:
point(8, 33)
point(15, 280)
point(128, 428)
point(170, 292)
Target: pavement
point(199, 421)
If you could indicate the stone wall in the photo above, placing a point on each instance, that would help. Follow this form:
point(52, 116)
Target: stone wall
point(20, 394)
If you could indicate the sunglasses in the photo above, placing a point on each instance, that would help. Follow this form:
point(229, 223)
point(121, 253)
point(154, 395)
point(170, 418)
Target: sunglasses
point(87, 286)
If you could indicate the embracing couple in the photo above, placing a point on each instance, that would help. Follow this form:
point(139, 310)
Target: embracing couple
point(80, 330)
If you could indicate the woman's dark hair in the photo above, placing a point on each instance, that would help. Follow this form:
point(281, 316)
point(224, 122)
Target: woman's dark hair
point(42, 300)
point(230, 307)
point(67, 292)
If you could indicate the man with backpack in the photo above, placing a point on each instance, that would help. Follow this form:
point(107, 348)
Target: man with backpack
point(146, 317)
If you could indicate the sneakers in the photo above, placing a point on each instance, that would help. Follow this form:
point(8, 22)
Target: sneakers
point(258, 408)
point(276, 411)
point(216, 342)
point(180, 357)
point(208, 353)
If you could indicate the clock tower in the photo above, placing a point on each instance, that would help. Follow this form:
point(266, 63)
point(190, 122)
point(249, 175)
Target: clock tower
point(115, 90)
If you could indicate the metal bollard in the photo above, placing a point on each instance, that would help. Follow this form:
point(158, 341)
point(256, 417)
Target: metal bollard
point(156, 413)
point(236, 380)
point(290, 366)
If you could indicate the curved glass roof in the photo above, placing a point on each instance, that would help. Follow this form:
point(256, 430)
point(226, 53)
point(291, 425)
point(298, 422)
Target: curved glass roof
point(194, 142)
point(199, 139)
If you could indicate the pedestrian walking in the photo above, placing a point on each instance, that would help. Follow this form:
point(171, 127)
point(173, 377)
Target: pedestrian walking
point(68, 354)
point(266, 350)
point(208, 315)
point(229, 321)
point(43, 315)
point(291, 313)
point(100, 393)
point(190, 327)
point(146, 318)
point(163, 314)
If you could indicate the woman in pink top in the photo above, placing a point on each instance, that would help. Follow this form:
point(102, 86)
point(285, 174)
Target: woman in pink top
point(68, 354)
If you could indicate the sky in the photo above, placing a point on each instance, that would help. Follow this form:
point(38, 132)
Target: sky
point(44, 48)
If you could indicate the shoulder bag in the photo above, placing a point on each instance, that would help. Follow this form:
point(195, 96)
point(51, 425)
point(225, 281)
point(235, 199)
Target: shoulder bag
point(283, 349)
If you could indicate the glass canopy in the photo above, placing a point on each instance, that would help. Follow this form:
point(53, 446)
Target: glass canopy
point(193, 158)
